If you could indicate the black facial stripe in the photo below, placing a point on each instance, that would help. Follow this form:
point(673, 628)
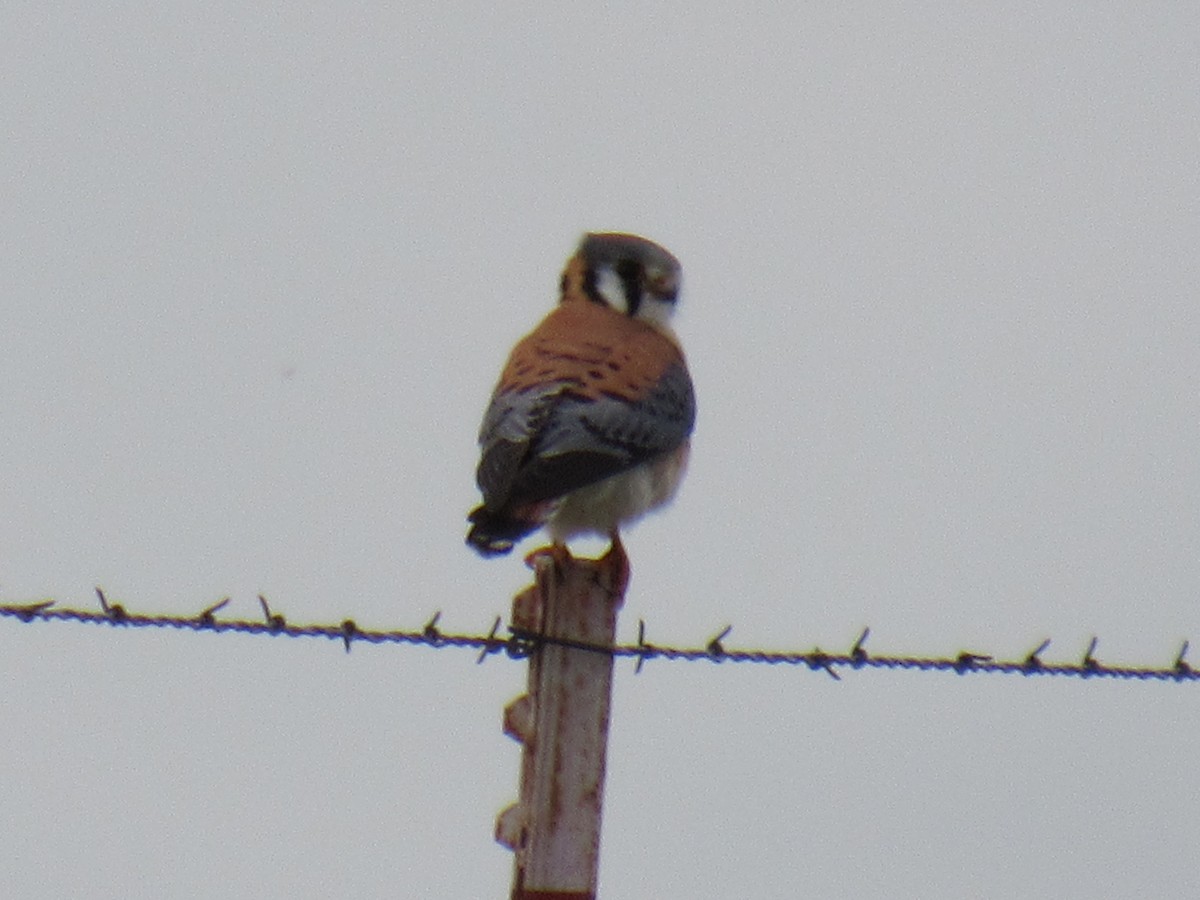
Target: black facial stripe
point(589, 287)
point(630, 274)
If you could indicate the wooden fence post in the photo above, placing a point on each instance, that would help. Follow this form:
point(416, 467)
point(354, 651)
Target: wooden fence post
point(562, 722)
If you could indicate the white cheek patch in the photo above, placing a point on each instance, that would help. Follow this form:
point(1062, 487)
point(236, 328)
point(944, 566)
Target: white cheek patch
point(612, 289)
point(655, 311)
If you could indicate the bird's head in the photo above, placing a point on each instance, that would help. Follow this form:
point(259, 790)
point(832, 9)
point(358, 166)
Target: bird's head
point(625, 272)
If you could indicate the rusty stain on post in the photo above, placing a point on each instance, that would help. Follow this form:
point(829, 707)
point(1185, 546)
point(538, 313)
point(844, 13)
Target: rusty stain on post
point(554, 828)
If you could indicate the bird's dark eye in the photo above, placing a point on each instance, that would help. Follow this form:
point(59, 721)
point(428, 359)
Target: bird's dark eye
point(662, 283)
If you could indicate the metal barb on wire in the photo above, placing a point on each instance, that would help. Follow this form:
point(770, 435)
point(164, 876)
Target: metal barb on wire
point(819, 660)
point(1089, 664)
point(114, 611)
point(431, 630)
point(969, 662)
point(645, 650)
point(27, 612)
point(494, 644)
point(275, 622)
point(715, 648)
point(1182, 667)
point(1033, 662)
point(209, 613)
point(520, 644)
point(858, 653)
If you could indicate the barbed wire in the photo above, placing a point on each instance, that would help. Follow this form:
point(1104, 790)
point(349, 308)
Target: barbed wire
point(519, 644)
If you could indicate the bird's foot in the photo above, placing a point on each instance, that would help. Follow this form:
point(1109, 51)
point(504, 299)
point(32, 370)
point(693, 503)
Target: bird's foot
point(557, 554)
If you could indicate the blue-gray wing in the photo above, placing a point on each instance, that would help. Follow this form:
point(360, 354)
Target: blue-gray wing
point(548, 440)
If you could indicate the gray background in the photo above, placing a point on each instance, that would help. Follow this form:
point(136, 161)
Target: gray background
point(260, 265)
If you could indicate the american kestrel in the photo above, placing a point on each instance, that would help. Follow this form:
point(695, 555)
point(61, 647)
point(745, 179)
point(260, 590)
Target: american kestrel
point(589, 425)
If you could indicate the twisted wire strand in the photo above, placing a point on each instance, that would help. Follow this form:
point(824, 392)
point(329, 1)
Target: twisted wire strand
point(518, 644)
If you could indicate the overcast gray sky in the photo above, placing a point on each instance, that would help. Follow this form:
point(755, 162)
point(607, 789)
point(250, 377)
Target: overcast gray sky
point(260, 265)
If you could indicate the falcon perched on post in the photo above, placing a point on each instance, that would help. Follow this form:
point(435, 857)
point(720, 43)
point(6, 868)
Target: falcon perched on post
point(588, 427)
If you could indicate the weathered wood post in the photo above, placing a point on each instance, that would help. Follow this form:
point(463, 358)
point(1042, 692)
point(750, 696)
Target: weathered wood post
point(562, 722)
